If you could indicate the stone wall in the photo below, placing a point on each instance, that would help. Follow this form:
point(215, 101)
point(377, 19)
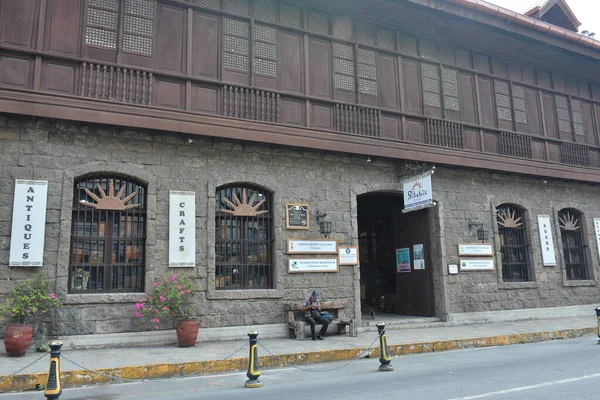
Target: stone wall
point(464, 195)
point(60, 151)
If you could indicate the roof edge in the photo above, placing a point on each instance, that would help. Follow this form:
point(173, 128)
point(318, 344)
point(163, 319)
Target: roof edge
point(526, 21)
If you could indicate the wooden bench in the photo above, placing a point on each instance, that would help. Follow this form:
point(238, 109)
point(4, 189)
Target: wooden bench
point(297, 324)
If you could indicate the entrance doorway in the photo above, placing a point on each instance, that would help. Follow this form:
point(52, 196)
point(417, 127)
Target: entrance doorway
point(385, 232)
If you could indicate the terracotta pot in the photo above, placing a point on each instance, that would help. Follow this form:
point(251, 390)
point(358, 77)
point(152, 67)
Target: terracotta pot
point(17, 339)
point(187, 332)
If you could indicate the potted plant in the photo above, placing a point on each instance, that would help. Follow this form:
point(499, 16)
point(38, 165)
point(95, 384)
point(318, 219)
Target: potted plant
point(172, 300)
point(25, 304)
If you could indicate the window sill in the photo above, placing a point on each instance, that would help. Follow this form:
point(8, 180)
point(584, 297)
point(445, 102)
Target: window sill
point(214, 294)
point(579, 283)
point(518, 285)
point(103, 298)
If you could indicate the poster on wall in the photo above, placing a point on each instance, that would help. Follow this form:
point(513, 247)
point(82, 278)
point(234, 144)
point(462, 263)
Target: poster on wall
point(419, 257)
point(597, 232)
point(182, 229)
point(28, 224)
point(546, 241)
point(403, 260)
point(348, 255)
point(297, 216)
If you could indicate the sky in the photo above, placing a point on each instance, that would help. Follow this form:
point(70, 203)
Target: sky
point(586, 11)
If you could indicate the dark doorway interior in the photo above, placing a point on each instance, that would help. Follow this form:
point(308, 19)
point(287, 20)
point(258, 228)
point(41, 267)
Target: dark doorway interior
point(382, 229)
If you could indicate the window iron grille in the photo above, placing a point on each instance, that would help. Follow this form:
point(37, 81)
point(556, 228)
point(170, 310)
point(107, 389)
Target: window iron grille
point(514, 244)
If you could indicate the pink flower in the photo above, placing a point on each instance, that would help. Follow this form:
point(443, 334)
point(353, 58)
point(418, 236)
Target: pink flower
point(165, 308)
point(163, 298)
point(156, 327)
point(137, 314)
point(52, 295)
point(174, 278)
point(155, 320)
point(179, 287)
point(156, 284)
point(139, 306)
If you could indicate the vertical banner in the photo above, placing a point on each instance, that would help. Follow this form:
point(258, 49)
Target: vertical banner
point(597, 232)
point(28, 224)
point(419, 257)
point(546, 241)
point(182, 229)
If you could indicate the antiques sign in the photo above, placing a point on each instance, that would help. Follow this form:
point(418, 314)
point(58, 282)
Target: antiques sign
point(475, 249)
point(546, 241)
point(28, 224)
point(311, 246)
point(296, 265)
point(417, 192)
point(297, 216)
point(182, 229)
point(597, 232)
point(348, 255)
point(483, 264)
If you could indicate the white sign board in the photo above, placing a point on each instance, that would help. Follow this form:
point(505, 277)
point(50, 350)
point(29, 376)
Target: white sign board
point(296, 265)
point(482, 264)
point(597, 231)
point(312, 246)
point(348, 255)
point(182, 229)
point(475, 249)
point(417, 192)
point(546, 241)
point(28, 224)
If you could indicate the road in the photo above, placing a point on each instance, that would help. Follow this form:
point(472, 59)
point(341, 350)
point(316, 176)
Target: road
point(563, 369)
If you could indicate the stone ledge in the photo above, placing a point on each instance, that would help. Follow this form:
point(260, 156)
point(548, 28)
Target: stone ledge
point(521, 314)
point(579, 283)
point(167, 337)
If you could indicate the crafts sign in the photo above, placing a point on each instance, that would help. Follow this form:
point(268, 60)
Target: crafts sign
point(417, 192)
point(182, 229)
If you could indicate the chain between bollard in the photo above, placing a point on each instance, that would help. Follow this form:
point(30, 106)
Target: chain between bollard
point(113, 377)
point(22, 369)
point(359, 356)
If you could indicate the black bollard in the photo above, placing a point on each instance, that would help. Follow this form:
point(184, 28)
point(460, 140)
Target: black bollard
point(598, 318)
point(384, 357)
point(253, 369)
point(53, 386)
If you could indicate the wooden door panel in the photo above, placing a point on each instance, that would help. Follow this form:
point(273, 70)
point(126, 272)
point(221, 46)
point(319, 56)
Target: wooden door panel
point(320, 68)
point(467, 98)
point(63, 26)
point(388, 81)
point(205, 44)
point(170, 48)
point(412, 90)
point(19, 22)
point(486, 100)
point(291, 61)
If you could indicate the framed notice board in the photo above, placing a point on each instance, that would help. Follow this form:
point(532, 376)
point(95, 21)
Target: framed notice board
point(297, 216)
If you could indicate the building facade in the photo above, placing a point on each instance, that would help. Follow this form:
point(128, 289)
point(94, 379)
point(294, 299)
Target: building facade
point(253, 106)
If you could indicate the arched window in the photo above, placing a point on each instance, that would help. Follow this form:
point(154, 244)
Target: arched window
point(573, 243)
point(516, 266)
point(243, 237)
point(108, 235)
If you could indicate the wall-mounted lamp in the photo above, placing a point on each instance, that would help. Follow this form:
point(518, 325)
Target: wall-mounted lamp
point(482, 233)
point(324, 226)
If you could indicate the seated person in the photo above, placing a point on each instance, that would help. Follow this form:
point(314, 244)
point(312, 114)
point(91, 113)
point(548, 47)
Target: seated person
point(312, 314)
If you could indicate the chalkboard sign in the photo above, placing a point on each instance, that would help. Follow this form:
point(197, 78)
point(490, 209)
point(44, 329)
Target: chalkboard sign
point(297, 216)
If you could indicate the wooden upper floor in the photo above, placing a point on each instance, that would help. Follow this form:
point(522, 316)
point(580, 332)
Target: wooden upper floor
point(384, 78)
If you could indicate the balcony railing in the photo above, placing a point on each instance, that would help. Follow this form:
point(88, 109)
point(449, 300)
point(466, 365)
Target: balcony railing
point(258, 105)
point(445, 134)
point(359, 120)
point(117, 84)
point(514, 145)
point(575, 154)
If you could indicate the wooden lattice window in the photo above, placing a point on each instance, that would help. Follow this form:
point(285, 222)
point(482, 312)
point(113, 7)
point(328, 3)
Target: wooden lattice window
point(265, 50)
point(514, 242)
point(573, 244)
point(126, 24)
point(108, 235)
point(243, 237)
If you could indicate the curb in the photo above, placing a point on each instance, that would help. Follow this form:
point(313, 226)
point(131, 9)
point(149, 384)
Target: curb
point(162, 371)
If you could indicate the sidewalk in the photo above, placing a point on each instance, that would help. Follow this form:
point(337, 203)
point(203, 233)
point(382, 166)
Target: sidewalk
point(171, 361)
